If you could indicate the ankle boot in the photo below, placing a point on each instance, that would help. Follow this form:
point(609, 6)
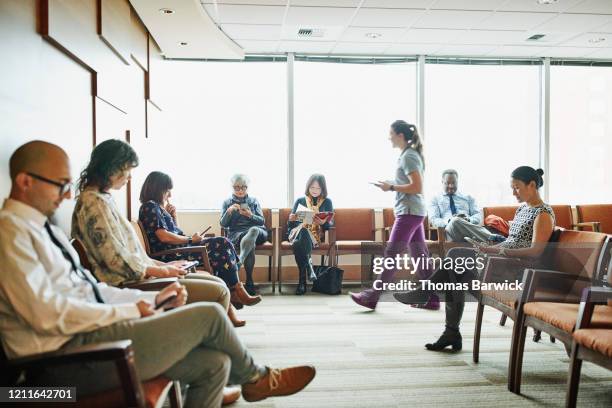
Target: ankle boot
point(301, 287)
point(231, 313)
point(450, 337)
point(240, 295)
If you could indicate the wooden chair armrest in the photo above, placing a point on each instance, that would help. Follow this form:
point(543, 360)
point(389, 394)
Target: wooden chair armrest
point(149, 285)
point(533, 281)
point(590, 297)
point(495, 263)
point(594, 225)
point(272, 235)
point(184, 250)
point(120, 352)
point(441, 231)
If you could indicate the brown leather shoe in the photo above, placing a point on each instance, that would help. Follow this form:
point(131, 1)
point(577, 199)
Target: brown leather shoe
point(231, 313)
point(230, 395)
point(238, 294)
point(278, 382)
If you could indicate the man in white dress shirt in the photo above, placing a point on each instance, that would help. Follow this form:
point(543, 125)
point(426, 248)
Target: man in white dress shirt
point(457, 213)
point(48, 301)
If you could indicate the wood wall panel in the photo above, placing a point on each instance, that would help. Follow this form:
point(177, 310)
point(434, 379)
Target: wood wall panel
point(114, 27)
point(140, 39)
point(155, 60)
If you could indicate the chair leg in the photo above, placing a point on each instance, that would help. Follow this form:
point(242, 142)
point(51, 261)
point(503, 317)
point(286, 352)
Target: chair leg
point(516, 370)
point(502, 320)
point(280, 274)
point(175, 397)
point(477, 328)
point(270, 272)
point(537, 335)
point(573, 378)
point(552, 339)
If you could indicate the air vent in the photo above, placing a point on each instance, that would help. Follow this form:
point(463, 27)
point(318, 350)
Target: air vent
point(310, 32)
point(536, 37)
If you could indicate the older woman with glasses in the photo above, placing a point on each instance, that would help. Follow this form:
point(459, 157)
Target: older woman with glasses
point(243, 217)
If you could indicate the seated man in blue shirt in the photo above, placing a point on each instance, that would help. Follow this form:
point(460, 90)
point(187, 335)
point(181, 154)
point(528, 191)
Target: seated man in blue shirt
point(456, 212)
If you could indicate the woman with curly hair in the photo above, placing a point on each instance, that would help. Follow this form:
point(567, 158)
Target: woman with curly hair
point(114, 250)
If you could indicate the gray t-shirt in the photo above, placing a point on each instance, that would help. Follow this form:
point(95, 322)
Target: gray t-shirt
point(413, 204)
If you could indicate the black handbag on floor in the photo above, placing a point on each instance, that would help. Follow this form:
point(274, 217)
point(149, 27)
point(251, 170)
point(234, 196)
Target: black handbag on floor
point(329, 280)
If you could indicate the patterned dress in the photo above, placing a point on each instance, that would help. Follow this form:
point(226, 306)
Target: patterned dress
point(221, 252)
point(521, 230)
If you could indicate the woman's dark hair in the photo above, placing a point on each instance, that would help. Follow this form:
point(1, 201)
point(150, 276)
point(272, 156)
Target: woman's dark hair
point(528, 174)
point(154, 187)
point(319, 178)
point(107, 159)
point(411, 135)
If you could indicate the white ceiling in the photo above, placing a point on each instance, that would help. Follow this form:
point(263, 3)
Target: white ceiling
point(470, 28)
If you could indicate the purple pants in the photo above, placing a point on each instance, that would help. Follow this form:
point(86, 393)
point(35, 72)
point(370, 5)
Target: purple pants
point(407, 232)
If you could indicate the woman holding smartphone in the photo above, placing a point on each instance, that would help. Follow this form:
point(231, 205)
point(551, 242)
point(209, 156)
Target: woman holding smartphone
point(158, 217)
point(409, 209)
point(241, 214)
point(304, 237)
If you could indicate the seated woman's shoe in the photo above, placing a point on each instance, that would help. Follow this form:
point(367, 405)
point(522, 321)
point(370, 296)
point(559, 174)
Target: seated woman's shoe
point(278, 382)
point(240, 295)
point(301, 288)
point(449, 338)
point(230, 395)
point(418, 296)
point(231, 313)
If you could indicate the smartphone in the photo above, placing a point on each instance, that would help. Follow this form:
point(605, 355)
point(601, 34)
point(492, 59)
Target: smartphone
point(188, 265)
point(164, 302)
point(244, 206)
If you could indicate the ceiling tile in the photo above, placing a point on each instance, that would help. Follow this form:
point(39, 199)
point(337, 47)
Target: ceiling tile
point(575, 23)
point(602, 53)
point(564, 52)
point(252, 2)
point(423, 35)
point(468, 5)
point(412, 49)
point(588, 40)
point(325, 3)
point(311, 47)
point(451, 19)
point(385, 17)
point(247, 14)
point(350, 48)
point(465, 50)
point(593, 6)
point(533, 5)
point(359, 34)
point(514, 51)
point(604, 29)
point(514, 21)
point(320, 16)
point(397, 3)
point(263, 47)
point(252, 31)
point(491, 37)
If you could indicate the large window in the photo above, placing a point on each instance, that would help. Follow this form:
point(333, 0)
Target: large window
point(580, 135)
point(342, 118)
point(220, 118)
point(482, 121)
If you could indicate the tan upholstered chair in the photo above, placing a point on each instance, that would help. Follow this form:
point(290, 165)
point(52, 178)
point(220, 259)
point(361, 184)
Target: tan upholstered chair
point(596, 217)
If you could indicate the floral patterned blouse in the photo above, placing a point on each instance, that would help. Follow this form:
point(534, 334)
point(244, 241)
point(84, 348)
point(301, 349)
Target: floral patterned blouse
point(153, 217)
point(114, 250)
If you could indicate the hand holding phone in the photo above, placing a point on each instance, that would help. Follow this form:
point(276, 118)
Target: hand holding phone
point(166, 301)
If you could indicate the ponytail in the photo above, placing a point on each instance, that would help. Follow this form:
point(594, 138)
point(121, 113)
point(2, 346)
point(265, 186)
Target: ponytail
point(411, 135)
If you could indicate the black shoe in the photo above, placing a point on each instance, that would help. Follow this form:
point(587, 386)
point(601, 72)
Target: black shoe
point(448, 338)
point(301, 288)
point(412, 298)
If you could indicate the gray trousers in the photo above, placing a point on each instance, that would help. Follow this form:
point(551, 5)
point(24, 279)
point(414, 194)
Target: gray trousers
point(248, 242)
point(195, 344)
point(459, 228)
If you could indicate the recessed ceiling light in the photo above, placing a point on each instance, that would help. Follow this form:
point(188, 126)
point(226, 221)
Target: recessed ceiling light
point(166, 11)
point(596, 40)
point(373, 35)
point(547, 1)
point(183, 43)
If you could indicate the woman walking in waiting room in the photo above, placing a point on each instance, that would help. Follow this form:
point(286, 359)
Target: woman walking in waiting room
point(409, 210)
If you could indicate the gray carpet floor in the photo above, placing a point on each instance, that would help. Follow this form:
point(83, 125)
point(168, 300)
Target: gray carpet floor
point(377, 359)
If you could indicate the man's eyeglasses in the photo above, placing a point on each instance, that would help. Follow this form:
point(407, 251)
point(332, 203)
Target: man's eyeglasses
point(63, 187)
point(240, 188)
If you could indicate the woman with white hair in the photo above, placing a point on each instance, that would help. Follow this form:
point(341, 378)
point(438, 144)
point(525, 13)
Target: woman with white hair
point(243, 217)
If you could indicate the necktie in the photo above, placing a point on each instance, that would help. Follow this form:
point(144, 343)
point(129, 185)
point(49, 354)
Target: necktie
point(75, 268)
point(452, 205)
